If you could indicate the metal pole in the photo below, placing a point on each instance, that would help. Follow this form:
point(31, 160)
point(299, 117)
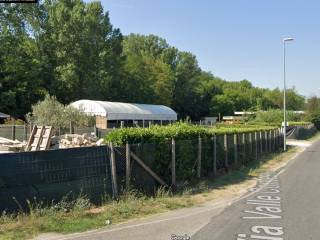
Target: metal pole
point(284, 93)
point(284, 98)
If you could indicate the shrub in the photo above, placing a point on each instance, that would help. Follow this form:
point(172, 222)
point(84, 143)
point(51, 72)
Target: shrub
point(276, 116)
point(315, 119)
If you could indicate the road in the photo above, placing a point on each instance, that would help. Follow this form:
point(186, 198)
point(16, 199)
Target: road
point(285, 205)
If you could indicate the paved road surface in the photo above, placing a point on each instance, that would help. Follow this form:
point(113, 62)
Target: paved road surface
point(286, 205)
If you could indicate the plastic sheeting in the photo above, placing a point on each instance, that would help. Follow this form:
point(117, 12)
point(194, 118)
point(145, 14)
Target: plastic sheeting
point(125, 111)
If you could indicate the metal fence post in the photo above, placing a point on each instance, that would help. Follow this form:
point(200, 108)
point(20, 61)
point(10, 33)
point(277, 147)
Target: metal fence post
point(215, 155)
point(128, 166)
point(199, 157)
point(173, 165)
point(226, 150)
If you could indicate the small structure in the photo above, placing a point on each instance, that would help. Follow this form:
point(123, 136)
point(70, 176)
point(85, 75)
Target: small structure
point(232, 119)
point(209, 120)
point(117, 114)
point(244, 113)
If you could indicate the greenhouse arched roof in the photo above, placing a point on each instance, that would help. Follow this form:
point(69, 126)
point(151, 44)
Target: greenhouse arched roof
point(125, 111)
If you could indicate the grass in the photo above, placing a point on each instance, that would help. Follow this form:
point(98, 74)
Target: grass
point(80, 215)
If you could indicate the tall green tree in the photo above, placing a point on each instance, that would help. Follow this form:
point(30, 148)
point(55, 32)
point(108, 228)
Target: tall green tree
point(86, 50)
point(20, 73)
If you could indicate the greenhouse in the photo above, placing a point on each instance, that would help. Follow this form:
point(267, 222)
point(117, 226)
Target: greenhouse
point(112, 114)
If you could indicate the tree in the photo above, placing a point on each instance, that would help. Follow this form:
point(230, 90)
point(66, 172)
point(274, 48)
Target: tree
point(86, 50)
point(53, 113)
point(20, 73)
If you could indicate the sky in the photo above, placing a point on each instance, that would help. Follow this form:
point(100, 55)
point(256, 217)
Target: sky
point(234, 39)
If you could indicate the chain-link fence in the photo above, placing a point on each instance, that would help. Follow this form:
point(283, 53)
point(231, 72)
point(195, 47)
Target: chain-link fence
point(106, 170)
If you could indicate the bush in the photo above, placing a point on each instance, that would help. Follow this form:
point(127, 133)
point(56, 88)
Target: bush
point(315, 119)
point(275, 116)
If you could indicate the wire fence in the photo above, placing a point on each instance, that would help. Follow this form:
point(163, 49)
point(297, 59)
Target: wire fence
point(175, 162)
point(22, 132)
point(99, 172)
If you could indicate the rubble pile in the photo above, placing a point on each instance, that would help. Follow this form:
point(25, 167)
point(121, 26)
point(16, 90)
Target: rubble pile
point(76, 140)
point(7, 145)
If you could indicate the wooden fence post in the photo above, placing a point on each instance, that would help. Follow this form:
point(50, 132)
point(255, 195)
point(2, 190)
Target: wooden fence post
point(277, 140)
point(199, 157)
point(270, 140)
point(265, 142)
point(113, 172)
point(226, 150)
point(273, 140)
point(215, 155)
point(235, 143)
point(261, 143)
point(256, 144)
point(250, 143)
point(128, 166)
point(25, 132)
point(173, 164)
point(13, 132)
point(244, 146)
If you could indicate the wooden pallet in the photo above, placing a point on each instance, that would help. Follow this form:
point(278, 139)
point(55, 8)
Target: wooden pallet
point(39, 138)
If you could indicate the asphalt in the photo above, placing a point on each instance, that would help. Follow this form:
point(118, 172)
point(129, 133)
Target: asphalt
point(286, 205)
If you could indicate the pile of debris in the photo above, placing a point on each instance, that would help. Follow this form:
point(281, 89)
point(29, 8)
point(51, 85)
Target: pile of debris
point(7, 145)
point(75, 140)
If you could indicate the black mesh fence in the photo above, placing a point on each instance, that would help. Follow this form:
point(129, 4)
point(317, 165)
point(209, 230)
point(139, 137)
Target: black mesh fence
point(220, 153)
point(52, 175)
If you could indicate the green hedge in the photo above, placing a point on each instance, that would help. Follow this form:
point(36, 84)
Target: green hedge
point(153, 145)
point(176, 131)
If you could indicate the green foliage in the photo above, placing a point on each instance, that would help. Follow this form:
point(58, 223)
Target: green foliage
point(276, 116)
point(153, 145)
point(178, 131)
point(50, 112)
point(315, 119)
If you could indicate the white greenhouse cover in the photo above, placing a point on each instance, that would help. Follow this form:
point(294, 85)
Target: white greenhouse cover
point(3, 115)
point(125, 111)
